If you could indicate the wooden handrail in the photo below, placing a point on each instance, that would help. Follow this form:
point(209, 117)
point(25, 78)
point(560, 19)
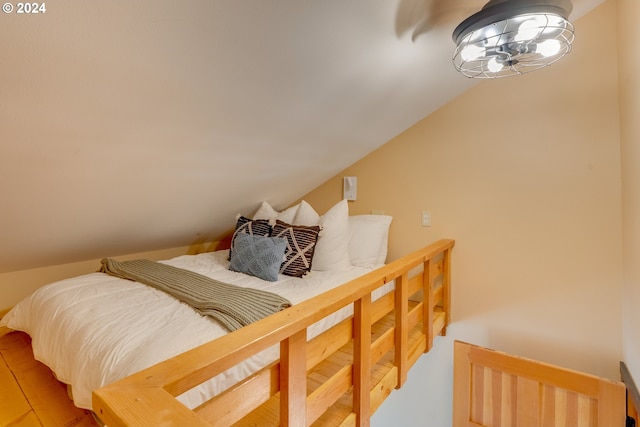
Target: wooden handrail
point(148, 397)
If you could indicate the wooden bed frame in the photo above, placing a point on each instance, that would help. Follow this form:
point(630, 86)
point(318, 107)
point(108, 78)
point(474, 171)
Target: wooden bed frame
point(338, 378)
point(3, 329)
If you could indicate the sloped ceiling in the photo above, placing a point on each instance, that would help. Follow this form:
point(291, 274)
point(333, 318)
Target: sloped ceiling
point(137, 125)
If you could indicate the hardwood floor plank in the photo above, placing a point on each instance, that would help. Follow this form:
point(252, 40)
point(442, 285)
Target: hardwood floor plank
point(13, 404)
point(28, 420)
point(46, 397)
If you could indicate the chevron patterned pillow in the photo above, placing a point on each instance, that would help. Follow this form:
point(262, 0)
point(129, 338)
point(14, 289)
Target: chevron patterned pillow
point(301, 243)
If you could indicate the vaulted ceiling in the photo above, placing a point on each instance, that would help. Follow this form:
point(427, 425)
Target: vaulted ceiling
point(131, 126)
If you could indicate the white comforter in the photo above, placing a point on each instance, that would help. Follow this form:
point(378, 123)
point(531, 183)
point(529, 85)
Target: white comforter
point(94, 329)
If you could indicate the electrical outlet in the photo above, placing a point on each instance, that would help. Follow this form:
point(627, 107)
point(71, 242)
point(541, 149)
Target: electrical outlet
point(426, 218)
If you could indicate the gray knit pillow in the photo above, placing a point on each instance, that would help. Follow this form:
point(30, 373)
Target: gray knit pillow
point(258, 256)
point(257, 227)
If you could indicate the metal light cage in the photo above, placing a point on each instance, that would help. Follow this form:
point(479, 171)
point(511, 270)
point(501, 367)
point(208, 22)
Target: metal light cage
point(513, 37)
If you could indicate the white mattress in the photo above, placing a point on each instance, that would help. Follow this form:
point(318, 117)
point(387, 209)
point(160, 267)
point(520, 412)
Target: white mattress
point(94, 329)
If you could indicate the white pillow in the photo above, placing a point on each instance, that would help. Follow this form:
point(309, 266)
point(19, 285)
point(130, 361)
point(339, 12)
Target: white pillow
point(306, 215)
point(332, 248)
point(265, 211)
point(368, 239)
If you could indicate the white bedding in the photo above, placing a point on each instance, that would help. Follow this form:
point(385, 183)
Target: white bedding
point(94, 329)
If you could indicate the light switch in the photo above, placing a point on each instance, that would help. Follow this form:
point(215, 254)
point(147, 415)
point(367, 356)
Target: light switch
point(426, 218)
point(350, 188)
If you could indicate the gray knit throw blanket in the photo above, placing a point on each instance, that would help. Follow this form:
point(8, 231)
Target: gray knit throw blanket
point(233, 306)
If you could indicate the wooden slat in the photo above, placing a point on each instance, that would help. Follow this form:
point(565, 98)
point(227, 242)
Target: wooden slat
point(402, 328)
point(328, 393)
point(382, 306)
point(267, 415)
point(328, 342)
point(611, 407)
point(416, 315)
point(382, 345)
point(349, 421)
point(537, 371)
point(383, 388)
point(445, 289)
point(293, 380)
point(461, 384)
point(362, 360)
point(437, 297)
point(416, 349)
point(142, 408)
point(437, 268)
point(439, 322)
point(527, 403)
point(427, 308)
point(415, 284)
point(233, 404)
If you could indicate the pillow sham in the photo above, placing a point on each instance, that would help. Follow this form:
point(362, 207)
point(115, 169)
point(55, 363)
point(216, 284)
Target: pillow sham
point(258, 256)
point(368, 239)
point(301, 243)
point(332, 249)
point(265, 211)
point(306, 215)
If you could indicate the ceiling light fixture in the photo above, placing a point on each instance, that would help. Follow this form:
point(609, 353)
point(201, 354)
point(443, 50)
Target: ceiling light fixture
point(512, 37)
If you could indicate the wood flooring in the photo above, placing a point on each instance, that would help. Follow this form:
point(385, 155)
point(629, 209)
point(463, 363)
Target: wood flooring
point(30, 396)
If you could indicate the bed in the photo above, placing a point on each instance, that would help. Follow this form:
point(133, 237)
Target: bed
point(137, 356)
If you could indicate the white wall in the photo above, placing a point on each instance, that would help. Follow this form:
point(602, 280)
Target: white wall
point(629, 64)
point(16, 285)
point(525, 174)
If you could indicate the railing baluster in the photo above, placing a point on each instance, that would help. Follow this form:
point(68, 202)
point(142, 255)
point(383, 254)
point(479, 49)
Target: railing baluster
point(446, 289)
point(362, 360)
point(293, 380)
point(401, 327)
point(427, 287)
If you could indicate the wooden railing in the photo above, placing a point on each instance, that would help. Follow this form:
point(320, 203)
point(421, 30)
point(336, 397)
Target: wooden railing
point(360, 359)
point(492, 388)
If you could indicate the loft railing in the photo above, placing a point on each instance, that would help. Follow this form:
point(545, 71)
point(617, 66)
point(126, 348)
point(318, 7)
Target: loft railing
point(149, 396)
